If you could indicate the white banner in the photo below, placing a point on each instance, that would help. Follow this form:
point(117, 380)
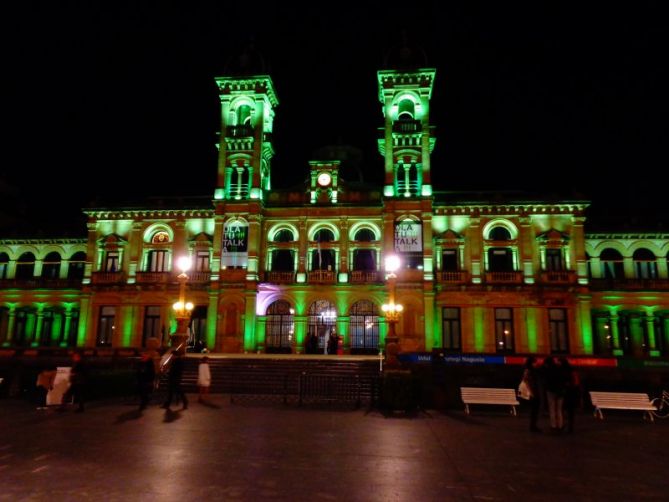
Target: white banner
point(235, 244)
point(408, 236)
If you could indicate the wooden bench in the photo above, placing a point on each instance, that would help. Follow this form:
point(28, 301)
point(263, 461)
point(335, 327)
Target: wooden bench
point(486, 395)
point(621, 401)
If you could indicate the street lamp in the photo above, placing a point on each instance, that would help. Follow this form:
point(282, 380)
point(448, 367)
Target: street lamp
point(392, 312)
point(182, 309)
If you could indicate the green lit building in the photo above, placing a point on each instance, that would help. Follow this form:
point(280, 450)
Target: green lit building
point(273, 266)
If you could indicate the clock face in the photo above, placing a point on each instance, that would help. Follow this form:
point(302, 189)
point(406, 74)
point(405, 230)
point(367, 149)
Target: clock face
point(324, 179)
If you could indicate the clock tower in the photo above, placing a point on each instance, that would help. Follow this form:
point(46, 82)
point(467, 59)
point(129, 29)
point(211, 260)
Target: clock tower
point(324, 181)
point(407, 141)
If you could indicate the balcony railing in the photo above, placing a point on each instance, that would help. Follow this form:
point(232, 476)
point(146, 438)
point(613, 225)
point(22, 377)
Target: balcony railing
point(40, 282)
point(233, 275)
point(558, 277)
point(280, 277)
point(107, 277)
point(631, 284)
point(153, 277)
point(239, 131)
point(454, 276)
point(322, 276)
point(504, 277)
point(365, 276)
point(199, 276)
point(407, 126)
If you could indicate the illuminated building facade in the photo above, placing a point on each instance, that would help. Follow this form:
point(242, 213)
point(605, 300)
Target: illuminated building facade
point(273, 267)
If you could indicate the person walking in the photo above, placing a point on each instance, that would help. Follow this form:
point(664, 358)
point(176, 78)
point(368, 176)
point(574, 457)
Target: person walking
point(146, 375)
point(531, 376)
point(174, 382)
point(78, 381)
point(572, 396)
point(556, 388)
point(203, 379)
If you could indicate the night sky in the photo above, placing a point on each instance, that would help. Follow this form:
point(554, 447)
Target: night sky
point(564, 99)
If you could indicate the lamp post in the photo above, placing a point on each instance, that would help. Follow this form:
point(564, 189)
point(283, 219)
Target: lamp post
point(182, 309)
point(392, 312)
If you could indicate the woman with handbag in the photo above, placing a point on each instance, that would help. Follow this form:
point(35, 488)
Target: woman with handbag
point(530, 382)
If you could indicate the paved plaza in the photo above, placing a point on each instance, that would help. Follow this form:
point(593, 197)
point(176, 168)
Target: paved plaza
point(259, 451)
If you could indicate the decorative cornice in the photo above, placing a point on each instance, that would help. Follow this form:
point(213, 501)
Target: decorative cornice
point(133, 214)
point(512, 209)
point(14, 242)
point(260, 84)
point(626, 235)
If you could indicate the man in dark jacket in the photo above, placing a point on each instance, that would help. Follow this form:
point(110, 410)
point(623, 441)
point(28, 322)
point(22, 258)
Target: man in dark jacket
point(174, 382)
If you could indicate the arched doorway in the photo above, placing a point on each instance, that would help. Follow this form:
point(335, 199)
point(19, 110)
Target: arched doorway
point(279, 328)
point(322, 320)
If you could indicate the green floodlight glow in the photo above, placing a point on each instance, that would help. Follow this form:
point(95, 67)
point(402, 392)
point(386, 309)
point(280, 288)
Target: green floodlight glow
point(479, 330)
point(219, 194)
point(426, 190)
point(388, 190)
point(531, 322)
point(128, 317)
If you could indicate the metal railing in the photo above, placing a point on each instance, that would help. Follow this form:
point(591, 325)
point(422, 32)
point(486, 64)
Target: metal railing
point(329, 388)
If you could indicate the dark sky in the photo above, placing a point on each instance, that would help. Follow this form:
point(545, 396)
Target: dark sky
point(557, 97)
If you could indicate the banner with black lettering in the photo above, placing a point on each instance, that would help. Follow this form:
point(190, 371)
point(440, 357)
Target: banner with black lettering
point(235, 244)
point(408, 236)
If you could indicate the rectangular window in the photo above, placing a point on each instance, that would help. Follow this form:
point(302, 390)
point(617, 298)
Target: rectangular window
point(557, 331)
point(202, 261)
point(47, 328)
point(449, 260)
point(106, 326)
point(112, 261)
point(74, 329)
point(554, 260)
point(504, 330)
point(158, 261)
point(151, 324)
point(4, 323)
point(451, 338)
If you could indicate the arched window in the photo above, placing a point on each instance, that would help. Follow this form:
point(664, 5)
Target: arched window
point(283, 235)
point(322, 319)
point(77, 265)
point(406, 109)
point(645, 264)
point(51, 266)
point(244, 115)
point(364, 327)
point(612, 264)
point(160, 237)
point(324, 235)
point(279, 327)
point(365, 235)
point(4, 265)
point(25, 266)
point(499, 234)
